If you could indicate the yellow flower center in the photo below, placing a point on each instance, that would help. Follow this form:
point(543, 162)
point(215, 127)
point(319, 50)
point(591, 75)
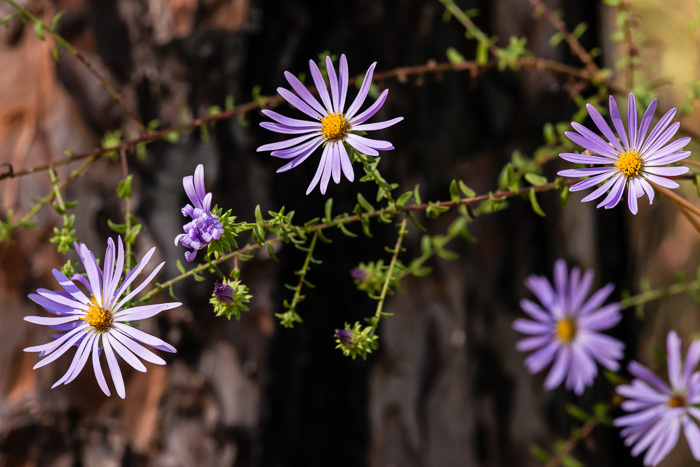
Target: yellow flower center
point(566, 330)
point(678, 400)
point(97, 317)
point(629, 163)
point(334, 126)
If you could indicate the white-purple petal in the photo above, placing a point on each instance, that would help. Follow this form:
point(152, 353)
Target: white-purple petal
point(345, 163)
point(333, 81)
point(97, 367)
point(617, 122)
point(664, 182)
point(362, 94)
point(585, 159)
point(602, 189)
point(603, 126)
point(632, 120)
point(646, 121)
point(286, 143)
point(343, 83)
point(279, 118)
point(320, 86)
point(299, 104)
point(304, 93)
point(371, 110)
point(114, 368)
point(145, 338)
point(327, 169)
point(377, 125)
point(125, 353)
point(290, 130)
point(615, 194)
point(658, 129)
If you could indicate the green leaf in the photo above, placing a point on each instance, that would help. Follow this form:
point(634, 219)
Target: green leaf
point(568, 461)
point(535, 205)
point(416, 195)
point(39, 29)
point(482, 53)
point(403, 199)
point(124, 188)
point(556, 39)
point(130, 237)
point(578, 413)
point(579, 30)
point(468, 192)
point(172, 137)
point(328, 210)
point(229, 102)
point(550, 135)
point(454, 56)
point(119, 228)
point(364, 203)
point(564, 197)
point(57, 51)
point(57, 16)
point(534, 179)
point(454, 192)
point(540, 454)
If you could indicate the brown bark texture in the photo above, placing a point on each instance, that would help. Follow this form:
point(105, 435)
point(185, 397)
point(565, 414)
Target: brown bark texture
point(446, 387)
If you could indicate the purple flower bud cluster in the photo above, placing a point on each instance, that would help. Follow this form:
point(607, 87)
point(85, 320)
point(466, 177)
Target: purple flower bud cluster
point(205, 226)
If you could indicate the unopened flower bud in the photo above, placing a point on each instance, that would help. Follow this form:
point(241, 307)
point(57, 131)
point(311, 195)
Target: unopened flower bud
point(223, 293)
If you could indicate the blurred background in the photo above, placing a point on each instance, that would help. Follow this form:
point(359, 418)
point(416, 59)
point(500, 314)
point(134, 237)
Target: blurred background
point(446, 387)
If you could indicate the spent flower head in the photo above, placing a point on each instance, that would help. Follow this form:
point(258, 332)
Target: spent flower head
point(331, 126)
point(96, 317)
point(660, 410)
point(205, 226)
point(566, 328)
point(629, 159)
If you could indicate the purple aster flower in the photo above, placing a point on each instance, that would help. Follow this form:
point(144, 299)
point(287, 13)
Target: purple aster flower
point(96, 321)
point(660, 410)
point(629, 159)
point(223, 293)
point(330, 126)
point(205, 226)
point(565, 328)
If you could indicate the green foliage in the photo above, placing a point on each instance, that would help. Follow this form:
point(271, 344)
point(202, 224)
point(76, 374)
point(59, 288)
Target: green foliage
point(7, 227)
point(508, 57)
point(112, 139)
point(124, 188)
point(454, 56)
point(65, 236)
point(68, 269)
point(227, 242)
point(535, 205)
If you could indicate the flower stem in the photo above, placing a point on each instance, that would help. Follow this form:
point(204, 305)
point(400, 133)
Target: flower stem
point(657, 294)
point(389, 273)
